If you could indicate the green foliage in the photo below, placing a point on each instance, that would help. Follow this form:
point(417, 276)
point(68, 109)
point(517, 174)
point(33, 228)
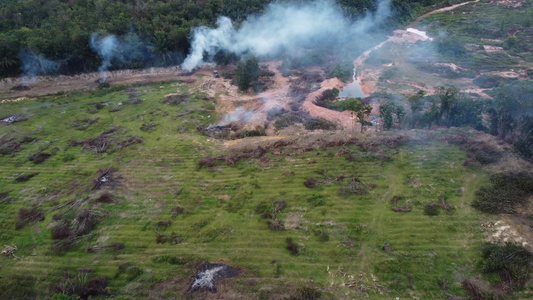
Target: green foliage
point(246, 73)
point(431, 210)
point(391, 113)
point(507, 260)
point(359, 109)
point(319, 123)
point(317, 199)
point(287, 119)
point(524, 142)
point(507, 191)
point(342, 71)
point(450, 46)
point(22, 286)
point(489, 81)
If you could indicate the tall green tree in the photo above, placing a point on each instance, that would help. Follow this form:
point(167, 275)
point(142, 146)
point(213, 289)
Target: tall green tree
point(246, 73)
point(360, 110)
point(389, 112)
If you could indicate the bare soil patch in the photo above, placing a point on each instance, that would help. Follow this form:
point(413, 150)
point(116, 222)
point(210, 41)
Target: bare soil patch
point(46, 85)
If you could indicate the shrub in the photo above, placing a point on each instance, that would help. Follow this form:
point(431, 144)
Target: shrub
point(287, 119)
point(316, 200)
point(507, 191)
point(431, 209)
point(508, 260)
point(319, 123)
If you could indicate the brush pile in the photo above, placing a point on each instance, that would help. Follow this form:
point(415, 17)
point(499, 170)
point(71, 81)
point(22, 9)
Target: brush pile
point(111, 140)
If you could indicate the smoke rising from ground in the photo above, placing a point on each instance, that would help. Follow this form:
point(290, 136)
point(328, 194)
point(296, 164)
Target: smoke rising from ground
point(105, 48)
point(127, 51)
point(282, 27)
point(34, 65)
point(240, 115)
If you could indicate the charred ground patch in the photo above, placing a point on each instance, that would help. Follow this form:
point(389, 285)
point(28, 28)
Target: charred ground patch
point(207, 276)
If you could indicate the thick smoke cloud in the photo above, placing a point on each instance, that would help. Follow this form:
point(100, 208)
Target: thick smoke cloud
point(34, 65)
point(282, 27)
point(126, 51)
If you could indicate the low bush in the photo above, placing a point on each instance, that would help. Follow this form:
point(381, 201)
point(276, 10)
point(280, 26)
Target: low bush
point(511, 262)
point(319, 123)
point(506, 192)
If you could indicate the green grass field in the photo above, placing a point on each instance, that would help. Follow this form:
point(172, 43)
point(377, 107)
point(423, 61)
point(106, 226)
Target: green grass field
point(340, 237)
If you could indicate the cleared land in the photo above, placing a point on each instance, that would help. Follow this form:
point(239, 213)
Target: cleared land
point(340, 237)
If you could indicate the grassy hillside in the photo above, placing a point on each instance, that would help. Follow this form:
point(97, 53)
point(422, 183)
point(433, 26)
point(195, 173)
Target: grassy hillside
point(221, 213)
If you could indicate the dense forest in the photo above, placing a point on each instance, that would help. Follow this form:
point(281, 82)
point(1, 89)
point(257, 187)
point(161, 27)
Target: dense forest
point(60, 30)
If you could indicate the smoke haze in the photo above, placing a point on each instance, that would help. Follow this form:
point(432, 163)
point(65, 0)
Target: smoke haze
point(34, 65)
point(282, 27)
point(240, 115)
point(127, 51)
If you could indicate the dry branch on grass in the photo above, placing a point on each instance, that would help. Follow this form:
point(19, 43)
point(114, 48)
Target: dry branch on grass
point(26, 177)
point(104, 247)
point(403, 208)
point(11, 144)
point(292, 247)
point(354, 187)
point(26, 216)
point(10, 251)
point(5, 199)
point(39, 157)
point(105, 198)
point(275, 225)
point(109, 141)
point(172, 238)
point(72, 228)
point(176, 99)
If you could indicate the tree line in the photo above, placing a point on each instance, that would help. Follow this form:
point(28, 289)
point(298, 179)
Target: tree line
point(61, 29)
point(509, 115)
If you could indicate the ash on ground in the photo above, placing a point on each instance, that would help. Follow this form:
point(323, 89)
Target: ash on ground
point(206, 276)
point(104, 177)
point(11, 119)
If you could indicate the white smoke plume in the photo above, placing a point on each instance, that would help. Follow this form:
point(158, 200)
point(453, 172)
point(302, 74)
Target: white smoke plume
point(106, 48)
point(34, 64)
point(240, 115)
point(282, 27)
point(123, 51)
